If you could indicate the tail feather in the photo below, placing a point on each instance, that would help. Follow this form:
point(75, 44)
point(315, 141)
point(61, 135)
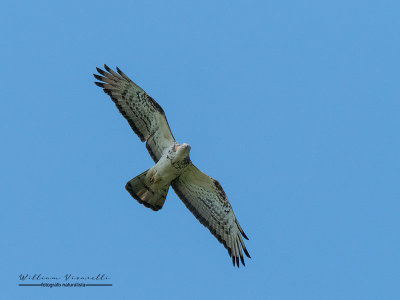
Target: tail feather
point(146, 193)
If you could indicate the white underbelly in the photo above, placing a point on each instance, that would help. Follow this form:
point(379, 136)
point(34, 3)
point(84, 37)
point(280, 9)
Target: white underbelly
point(163, 172)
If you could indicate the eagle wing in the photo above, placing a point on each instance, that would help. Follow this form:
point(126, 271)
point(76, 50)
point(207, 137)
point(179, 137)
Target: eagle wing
point(206, 199)
point(144, 115)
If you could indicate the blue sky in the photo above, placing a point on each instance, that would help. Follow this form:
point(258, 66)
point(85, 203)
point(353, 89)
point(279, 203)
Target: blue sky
point(292, 105)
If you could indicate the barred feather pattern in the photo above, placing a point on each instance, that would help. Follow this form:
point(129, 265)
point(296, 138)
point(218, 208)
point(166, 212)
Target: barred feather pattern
point(207, 201)
point(143, 113)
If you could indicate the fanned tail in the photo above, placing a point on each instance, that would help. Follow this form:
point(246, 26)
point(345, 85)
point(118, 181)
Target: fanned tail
point(143, 191)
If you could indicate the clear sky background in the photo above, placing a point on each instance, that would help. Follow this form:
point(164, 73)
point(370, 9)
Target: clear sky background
point(292, 105)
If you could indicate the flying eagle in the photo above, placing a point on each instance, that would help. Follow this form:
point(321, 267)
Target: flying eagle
point(201, 194)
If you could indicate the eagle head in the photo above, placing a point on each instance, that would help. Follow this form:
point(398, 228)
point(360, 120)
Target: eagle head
point(180, 152)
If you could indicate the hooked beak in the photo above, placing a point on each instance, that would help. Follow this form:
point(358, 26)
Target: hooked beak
point(186, 146)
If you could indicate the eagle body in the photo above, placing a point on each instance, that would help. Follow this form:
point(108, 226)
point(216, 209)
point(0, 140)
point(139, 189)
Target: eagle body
point(151, 187)
point(201, 194)
point(169, 167)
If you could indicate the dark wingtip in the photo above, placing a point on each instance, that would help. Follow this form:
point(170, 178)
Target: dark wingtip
point(237, 261)
point(100, 71)
point(233, 260)
point(247, 253)
point(107, 68)
point(98, 77)
point(244, 235)
point(230, 252)
point(242, 260)
point(100, 84)
point(119, 71)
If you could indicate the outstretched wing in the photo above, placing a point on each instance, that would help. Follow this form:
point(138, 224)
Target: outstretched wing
point(144, 115)
point(206, 199)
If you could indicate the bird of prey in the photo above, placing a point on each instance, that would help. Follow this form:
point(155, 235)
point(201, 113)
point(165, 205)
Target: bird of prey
point(201, 194)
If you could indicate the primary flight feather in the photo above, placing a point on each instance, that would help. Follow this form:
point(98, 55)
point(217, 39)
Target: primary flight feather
point(201, 194)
